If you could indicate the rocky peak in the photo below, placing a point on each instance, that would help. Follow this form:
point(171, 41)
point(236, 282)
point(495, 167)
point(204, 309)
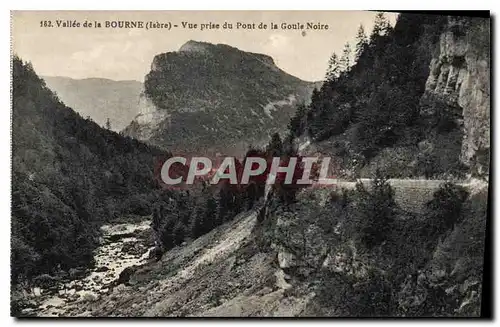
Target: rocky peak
point(195, 46)
point(215, 96)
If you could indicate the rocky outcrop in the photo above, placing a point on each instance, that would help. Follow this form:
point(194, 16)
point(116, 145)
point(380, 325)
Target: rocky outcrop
point(460, 77)
point(148, 119)
point(208, 98)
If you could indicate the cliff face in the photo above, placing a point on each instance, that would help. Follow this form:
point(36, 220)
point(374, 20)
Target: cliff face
point(208, 98)
point(460, 76)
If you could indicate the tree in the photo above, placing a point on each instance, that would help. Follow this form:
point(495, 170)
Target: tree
point(443, 211)
point(179, 233)
point(345, 60)
point(333, 70)
point(361, 42)
point(108, 124)
point(381, 26)
point(297, 123)
point(211, 217)
point(275, 146)
point(372, 221)
point(198, 222)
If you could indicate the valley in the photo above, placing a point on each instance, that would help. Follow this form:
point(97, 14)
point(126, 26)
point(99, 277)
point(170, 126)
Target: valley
point(403, 114)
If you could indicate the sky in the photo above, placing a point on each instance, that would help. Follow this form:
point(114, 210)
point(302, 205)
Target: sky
point(127, 53)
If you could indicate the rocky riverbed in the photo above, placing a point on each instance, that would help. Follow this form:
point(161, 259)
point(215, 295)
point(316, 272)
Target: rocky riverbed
point(122, 246)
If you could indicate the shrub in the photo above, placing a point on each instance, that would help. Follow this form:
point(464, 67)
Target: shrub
point(372, 218)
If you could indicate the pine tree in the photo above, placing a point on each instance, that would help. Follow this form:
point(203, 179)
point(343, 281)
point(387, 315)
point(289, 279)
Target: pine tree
point(211, 217)
point(333, 70)
point(198, 222)
point(361, 41)
point(381, 25)
point(378, 212)
point(108, 124)
point(275, 146)
point(345, 60)
point(179, 233)
point(296, 125)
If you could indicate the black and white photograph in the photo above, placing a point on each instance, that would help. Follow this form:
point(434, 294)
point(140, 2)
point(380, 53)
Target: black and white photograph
point(242, 164)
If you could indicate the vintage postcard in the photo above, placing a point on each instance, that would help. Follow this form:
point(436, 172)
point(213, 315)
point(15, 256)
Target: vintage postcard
point(250, 164)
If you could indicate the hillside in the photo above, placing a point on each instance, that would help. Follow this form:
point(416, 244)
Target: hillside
point(411, 113)
point(304, 261)
point(69, 175)
point(208, 98)
point(415, 103)
point(374, 249)
point(99, 98)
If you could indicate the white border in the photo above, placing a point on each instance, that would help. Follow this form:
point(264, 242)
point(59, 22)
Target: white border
point(190, 5)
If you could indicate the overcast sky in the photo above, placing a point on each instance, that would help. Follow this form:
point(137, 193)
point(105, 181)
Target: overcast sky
point(126, 54)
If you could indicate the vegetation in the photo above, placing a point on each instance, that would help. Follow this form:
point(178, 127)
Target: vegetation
point(371, 113)
point(370, 103)
point(372, 221)
point(69, 176)
point(237, 98)
point(406, 266)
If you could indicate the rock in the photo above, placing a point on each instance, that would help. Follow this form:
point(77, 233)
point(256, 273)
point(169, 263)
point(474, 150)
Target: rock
point(90, 297)
point(156, 253)
point(280, 280)
point(155, 123)
point(286, 259)
point(74, 297)
point(37, 291)
point(263, 291)
point(75, 273)
point(125, 275)
point(102, 269)
point(46, 281)
point(133, 248)
point(460, 76)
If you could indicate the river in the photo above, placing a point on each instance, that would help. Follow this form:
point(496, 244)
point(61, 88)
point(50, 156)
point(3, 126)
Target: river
point(121, 246)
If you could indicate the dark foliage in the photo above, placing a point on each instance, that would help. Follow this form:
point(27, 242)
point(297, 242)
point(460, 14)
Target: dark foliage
point(69, 176)
point(183, 216)
point(374, 213)
point(428, 265)
point(375, 103)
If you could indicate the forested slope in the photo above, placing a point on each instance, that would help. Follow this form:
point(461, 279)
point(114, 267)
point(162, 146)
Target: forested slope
point(68, 176)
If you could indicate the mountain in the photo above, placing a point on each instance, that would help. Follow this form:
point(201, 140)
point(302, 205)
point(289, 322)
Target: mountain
point(377, 249)
point(208, 98)
point(415, 104)
point(69, 176)
point(99, 98)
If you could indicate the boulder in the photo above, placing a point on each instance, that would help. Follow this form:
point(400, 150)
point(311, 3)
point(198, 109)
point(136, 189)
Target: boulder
point(125, 275)
point(286, 259)
point(102, 269)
